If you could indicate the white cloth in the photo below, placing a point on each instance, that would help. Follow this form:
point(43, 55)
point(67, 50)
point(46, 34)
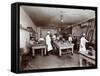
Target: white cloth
point(31, 42)
point(70, 39)
point(58, 38)
point(41, 39)
point(54, 37)
point(82, 44)
point(48, 43)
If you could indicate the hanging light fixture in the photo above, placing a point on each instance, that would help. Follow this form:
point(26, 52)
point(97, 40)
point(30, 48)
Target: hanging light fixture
point(61, 18)
point(61, 21)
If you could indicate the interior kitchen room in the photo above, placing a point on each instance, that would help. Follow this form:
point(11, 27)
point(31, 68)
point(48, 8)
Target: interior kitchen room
point(57, 37)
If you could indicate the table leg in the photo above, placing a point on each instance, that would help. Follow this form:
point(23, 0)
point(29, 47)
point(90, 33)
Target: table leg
point(33, 51)
point(45, 51)
point(42, 51)
point(59, 52)
point(80, 61)
point(87, 63)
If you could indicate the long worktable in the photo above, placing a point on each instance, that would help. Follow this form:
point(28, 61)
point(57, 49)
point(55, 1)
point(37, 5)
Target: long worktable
point(42, 47)
point(63, 45)
point(88, 58)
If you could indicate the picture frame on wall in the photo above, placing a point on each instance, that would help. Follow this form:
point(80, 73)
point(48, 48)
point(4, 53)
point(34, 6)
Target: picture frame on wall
point(34, 25)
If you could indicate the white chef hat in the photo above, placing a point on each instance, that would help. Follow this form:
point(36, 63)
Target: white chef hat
point(48, 32)
point(83, 34)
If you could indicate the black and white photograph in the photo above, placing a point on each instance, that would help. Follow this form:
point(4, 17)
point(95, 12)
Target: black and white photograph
point(57, 37)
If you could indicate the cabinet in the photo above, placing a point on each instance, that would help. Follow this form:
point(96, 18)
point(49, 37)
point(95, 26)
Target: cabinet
point(32, 32)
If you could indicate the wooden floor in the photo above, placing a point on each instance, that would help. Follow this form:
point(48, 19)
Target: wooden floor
point(53, 61)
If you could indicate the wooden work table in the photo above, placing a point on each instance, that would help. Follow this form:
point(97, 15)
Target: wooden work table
point(88, 58)
point(63, 45)
point(42, 47)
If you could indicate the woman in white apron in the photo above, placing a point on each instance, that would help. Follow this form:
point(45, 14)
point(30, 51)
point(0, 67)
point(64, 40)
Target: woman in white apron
point(48, 42)
point(83, 42)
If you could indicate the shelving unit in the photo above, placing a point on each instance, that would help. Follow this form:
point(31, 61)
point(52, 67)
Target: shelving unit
point(30, 30)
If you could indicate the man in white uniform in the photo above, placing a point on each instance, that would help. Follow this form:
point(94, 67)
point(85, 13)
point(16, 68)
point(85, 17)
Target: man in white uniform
point(48, 42)
point(70, 38)
point(83, 42)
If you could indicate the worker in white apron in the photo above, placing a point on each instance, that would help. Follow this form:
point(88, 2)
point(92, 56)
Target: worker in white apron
point(70, 38)
point(83, 42)
point(48, 42)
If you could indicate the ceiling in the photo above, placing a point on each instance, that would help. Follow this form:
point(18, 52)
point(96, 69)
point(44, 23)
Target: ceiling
point(43, 16)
